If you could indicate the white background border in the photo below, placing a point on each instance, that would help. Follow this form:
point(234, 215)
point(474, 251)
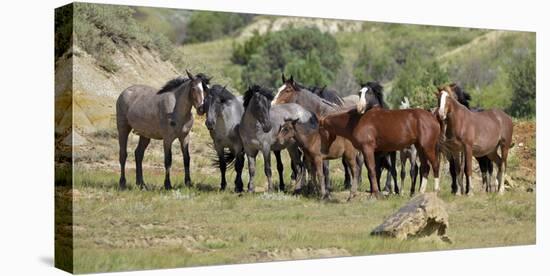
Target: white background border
point(26, 145)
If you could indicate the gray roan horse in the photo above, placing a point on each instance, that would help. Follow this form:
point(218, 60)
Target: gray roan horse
point(163, 114)
point(259, 128)
point(223, 116)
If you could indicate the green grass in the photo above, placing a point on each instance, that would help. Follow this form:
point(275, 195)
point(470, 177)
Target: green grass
point(119, 230)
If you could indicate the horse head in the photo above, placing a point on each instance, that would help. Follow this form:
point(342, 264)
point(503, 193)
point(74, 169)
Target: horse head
point(370, 95)
point(287, 92)
point(199, 88)
point(287, 131)
point(258, 100)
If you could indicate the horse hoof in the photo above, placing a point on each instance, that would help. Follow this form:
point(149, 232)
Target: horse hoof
point(143, 187)
point(188, 183)
point(470, 194)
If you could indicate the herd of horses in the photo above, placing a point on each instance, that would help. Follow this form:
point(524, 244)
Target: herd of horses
point(315, 125)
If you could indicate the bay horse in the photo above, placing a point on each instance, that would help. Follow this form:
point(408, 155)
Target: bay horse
point(475, 134)
point(382, 130)
point(223, 117)
point(370, 95)
point(308, 139)
point(456, 167)
point(163, 114)
point(258, 131)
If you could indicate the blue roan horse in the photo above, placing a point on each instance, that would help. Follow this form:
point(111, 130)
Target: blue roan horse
point(223, 117)
point(258, 131)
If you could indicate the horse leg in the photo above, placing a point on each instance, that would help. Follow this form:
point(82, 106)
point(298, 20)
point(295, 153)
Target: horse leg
point(370, 163)
point(393, 170)
point(359, 165)
point(184, 143)
point(424, 171)
point(139, 152)
point(453, 169)
point(251, 170)
point(468, 170)
point(298, 168)
point(239, 164)
point(403, 160)
point(223, 167)
point(347, 179)
point(280, 169)
point(267, 169)
point(167, 162)
point(319, 176)
point(482, 161)
point(123, 132)
point(433, 158)
point(378, 170)
point(351, 162)
point(326, 175)
point(502, 170)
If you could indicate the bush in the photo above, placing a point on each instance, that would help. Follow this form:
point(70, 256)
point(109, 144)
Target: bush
point(417, 80)
point(207, 25)
point(523, 80)
point(312, 56)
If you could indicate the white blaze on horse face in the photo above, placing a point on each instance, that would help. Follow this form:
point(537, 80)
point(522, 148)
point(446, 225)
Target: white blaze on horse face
point(442, 103)
point(362, 103)
point(199, 87)
point(277, 95)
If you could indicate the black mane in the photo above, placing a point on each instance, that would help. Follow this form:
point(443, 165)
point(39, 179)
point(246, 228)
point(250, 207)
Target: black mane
point(378, 90)
point(462, 96)
point(327, 94)
point(176, 82)
point(253, 90)
point(218, 91)
point(172, 84)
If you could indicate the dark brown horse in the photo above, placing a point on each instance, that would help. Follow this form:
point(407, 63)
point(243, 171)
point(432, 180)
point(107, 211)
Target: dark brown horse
point(476, 134)
point(308, 139)
point(381, 130)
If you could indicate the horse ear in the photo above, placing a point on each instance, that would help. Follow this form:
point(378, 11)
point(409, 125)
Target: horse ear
point(292, 79)
point(189, 75)
point(283, 77)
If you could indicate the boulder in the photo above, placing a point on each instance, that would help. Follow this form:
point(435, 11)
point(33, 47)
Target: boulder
point(422, 216)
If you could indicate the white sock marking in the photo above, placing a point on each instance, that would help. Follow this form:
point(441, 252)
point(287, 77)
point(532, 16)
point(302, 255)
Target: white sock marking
point(423, 185)
point(436, 186)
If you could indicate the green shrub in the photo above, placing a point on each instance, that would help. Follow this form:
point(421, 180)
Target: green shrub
point(312, 56)
point(208, 25)
point(417, 80)
point(522, 78)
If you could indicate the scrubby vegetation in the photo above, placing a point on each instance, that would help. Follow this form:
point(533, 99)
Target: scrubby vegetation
point(207, 25)
point(298, 51)
point(102, 29)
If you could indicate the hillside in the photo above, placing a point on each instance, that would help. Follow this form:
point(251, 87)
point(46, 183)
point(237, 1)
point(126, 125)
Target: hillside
point(94, 91)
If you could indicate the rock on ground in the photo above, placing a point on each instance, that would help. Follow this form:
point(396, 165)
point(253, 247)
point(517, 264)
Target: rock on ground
point(422, 216)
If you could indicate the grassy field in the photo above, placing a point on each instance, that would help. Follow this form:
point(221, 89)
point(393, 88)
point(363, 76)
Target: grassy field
point(124, 230)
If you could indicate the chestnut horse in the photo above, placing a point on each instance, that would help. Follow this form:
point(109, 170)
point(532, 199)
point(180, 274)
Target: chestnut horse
point(382, 130)
point(476, 134)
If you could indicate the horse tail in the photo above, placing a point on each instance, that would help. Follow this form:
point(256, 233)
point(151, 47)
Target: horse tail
point(442, 147)
point(228, 158)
